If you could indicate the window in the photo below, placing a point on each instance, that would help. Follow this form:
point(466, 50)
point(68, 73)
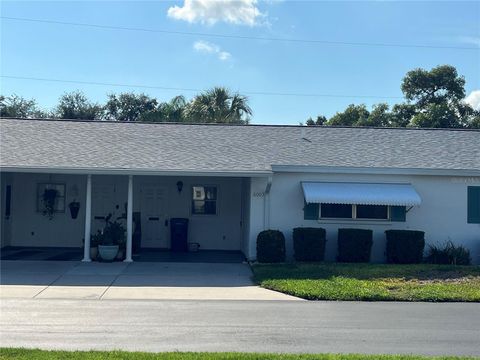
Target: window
point(204, 200)
point(354, 212)
point(336, 211)
point(473, 207)
point(377, 212)
point(55, 194)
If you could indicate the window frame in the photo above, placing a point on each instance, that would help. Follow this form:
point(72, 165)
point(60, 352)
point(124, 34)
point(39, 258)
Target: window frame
point(61, 199)
point(192, 213)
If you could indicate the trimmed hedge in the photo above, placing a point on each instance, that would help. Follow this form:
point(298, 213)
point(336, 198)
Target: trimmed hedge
point(354, 245)
point(309, 244)
point(405, 246)
point(270, 246)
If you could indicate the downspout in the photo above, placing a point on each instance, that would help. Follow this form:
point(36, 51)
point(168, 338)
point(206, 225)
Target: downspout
point(266, 204)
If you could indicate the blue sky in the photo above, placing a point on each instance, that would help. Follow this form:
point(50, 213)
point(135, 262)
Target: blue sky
point(40, 50)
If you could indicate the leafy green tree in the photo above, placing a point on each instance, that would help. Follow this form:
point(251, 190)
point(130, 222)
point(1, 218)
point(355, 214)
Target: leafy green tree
point(129, 107)
point(218, 105)
point(351, 116)
point(18, 107)
point(437, 96)
point(75, 105)
point(378, 117)
point(475, 120)
point(440, 85)
point(172, 111)
point(436, 116)
point(320, 120)
point(402, 114)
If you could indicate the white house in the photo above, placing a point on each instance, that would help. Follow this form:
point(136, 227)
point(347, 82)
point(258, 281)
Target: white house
point(232, 182)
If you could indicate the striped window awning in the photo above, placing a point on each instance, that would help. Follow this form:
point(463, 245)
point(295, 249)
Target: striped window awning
point(360, 193)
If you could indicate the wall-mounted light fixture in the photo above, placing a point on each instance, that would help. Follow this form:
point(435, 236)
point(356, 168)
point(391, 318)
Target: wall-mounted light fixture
point(179, 186)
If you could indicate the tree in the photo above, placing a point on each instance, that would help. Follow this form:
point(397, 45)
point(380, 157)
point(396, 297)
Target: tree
point(174, 109)
point(351, 116)
point(320, 120)
point(475, 121)
point(436, 116)
point(218, 105)
point(378, 117)
point(75, 105)
point(402, 114)
point(440, 85)
point(437, 97)
point(18, 107)
point(129, 107)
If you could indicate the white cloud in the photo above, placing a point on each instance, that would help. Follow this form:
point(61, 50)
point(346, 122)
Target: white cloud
point(474, 99)
point(210, 48)
point(240, 12)
point(471, 40)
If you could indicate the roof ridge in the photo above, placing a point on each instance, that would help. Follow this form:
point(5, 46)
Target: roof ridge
point(239, 125)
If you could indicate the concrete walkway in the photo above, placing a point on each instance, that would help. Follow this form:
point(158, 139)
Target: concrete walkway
point(140, 281)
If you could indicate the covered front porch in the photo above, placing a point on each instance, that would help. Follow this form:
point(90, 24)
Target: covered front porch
point(217, 209)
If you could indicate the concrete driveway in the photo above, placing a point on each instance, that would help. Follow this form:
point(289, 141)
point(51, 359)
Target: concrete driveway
point(141, 281)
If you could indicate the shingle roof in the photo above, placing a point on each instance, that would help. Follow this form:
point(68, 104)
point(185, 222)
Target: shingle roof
point(206, 148)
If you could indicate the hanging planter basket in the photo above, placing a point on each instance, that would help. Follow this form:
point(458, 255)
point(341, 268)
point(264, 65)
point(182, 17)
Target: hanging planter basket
point(74, 209)
point(49, 198)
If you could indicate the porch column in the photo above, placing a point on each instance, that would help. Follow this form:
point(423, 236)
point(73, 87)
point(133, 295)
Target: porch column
point(88, 219)
point(128, 251)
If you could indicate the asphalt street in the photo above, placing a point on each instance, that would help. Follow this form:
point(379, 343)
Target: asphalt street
point(253, 326)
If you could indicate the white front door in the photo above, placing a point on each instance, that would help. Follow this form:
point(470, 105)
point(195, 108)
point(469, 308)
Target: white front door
point(152, 208)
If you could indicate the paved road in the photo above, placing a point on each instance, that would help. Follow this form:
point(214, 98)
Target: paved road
point(261, 326)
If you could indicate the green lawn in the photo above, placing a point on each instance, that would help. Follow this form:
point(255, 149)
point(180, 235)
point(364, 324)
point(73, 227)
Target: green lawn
point(24, 354)
point(372, 282)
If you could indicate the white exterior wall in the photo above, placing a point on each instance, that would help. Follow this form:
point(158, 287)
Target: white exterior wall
point(31, 228)
point(257, 215)
point(442, 214)
point(212, 232)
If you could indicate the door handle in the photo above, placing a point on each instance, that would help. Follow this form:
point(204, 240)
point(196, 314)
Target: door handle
point(154, 218)
point(166, 222)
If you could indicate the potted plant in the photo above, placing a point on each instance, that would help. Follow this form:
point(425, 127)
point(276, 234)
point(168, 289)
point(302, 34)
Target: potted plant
point(95, 240)
point(49, 198)
point(74, 208)
point(113, 236)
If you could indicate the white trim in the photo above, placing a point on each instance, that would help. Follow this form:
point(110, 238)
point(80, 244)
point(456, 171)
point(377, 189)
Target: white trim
point(136, 172)
point(371, 170)
point(235, 173)
point(88, 220)
point(128, 247)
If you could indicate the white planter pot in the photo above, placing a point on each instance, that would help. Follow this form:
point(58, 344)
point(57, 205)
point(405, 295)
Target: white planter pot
point(108, 252)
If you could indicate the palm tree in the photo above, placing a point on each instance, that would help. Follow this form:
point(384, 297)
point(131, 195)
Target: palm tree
point(172, 111)
point(218, 105)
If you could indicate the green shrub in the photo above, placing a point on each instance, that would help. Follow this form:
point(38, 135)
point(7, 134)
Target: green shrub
point(270, 246)
point(354, 245)
point(309, 244)
point(405, 246)
point(449, 254)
